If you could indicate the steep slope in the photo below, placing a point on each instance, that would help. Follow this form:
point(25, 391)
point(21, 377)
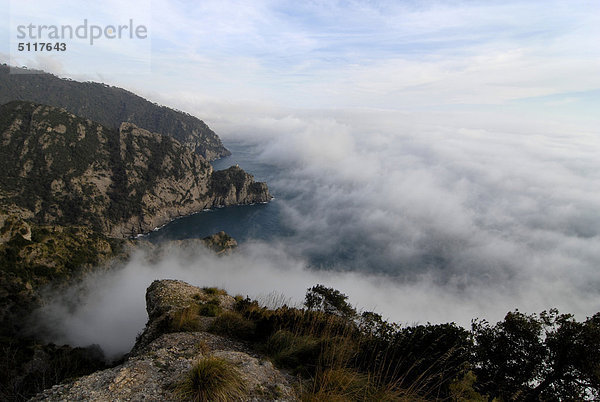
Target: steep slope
point(110, 106)
point(58, 168)
point(163, 356)
point(32, 257)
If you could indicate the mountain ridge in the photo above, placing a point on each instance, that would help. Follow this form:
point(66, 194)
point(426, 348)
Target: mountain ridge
point(109, 106)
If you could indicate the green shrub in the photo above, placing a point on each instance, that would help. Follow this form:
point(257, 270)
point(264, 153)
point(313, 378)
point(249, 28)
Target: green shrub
point(300, 353)
point(462, 389)
point(279, 341)
point(213, 291)
point(211, 379)
point(329, 300)
point(209, 309)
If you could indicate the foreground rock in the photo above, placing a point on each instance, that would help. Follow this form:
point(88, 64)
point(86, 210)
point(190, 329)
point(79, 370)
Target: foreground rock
point(167, 297)
point(152, 374)
point(161, 359)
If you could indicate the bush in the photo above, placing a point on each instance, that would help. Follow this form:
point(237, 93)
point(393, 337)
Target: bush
point(211, 379)
point(300, 353)
point(549, 356)
point(210, 309)
point(213, 291)
point(233, 324)
point(328, 300)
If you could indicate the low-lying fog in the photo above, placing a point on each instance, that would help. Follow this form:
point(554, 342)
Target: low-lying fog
point(445, 221)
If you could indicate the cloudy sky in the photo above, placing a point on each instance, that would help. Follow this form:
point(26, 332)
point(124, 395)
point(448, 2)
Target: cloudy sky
point(337, 54)
point(453, 144)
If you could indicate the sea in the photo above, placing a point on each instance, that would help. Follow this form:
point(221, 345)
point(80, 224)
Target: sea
point(245, 222)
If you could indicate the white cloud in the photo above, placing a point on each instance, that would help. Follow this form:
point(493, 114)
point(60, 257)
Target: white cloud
point(440, 222)
point(360, 55)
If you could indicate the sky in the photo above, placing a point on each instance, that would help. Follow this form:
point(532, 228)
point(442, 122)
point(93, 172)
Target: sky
point(403, 55)
point(456, 141)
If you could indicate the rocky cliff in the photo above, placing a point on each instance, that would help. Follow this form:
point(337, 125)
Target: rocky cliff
point(61, 169)
point(109, 106)
point(165, 354)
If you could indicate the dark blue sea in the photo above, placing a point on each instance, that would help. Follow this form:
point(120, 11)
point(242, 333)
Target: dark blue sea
point(259, 221)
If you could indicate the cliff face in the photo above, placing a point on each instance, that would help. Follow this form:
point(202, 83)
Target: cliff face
point(233, 186)
point(61, 169)
point(163, 357)
point(110, 106)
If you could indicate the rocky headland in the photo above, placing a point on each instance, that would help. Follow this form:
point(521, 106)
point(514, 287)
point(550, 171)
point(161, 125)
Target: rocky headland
point(166, 352)
point(61, 169)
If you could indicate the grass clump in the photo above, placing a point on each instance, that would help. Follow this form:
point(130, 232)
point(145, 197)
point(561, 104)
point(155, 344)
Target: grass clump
point(298, 352)
point(234, 325)
point(211, 379)
point(186, 320)
point(343, 384)
point(214, 291)
point(211, 308)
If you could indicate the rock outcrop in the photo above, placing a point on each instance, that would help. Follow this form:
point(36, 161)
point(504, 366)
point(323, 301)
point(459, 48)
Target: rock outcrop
point(220, 243)
point(160, 360)
point(58, 168)
point(233, 186)
point(11, 226)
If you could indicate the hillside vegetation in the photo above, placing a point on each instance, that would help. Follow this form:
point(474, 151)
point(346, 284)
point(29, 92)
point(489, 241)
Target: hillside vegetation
point(58, 168)
point(109, 106)
point(202, 344)
point(341, 354)
point(72, 193)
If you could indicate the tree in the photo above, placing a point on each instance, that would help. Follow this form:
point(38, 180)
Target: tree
point(545, 357)
point(328, 300)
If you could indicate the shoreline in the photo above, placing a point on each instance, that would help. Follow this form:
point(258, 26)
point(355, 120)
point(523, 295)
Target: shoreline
point(158, 228)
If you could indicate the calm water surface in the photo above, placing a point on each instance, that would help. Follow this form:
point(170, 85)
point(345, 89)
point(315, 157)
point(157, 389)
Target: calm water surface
point(259, 221)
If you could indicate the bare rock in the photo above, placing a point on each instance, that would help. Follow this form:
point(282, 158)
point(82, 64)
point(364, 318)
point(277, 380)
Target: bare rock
point(11, 226)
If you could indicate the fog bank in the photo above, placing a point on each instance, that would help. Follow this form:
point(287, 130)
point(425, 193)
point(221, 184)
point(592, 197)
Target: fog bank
point(440, 217)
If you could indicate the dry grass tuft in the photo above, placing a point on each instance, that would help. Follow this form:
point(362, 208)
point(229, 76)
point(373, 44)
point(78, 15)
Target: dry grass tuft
point(211, 379)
